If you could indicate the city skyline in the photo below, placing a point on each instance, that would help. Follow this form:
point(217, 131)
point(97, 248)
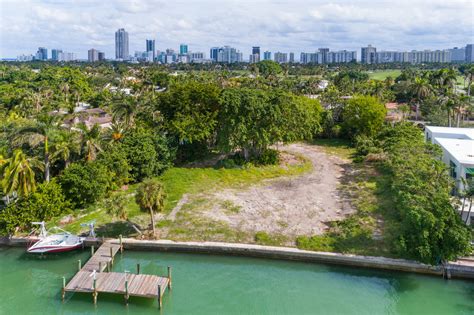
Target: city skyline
point(78, 26)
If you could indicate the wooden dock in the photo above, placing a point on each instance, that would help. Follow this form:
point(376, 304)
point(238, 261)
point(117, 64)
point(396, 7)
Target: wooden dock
point(91, 277)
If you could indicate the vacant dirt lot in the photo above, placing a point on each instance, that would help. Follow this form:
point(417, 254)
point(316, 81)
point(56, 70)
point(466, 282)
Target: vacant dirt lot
point(288, 206)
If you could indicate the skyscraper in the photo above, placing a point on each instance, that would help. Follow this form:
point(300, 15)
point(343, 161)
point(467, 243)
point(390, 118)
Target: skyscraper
point(280, 57)
point(324, 54)
point(55, 54)
point(368, 54)
point(214, 52)
point(101, 56)
point(267, 55)
point(150, 47)
point(121, 45)
point(42, 53)
point(469, 53)
point(93, 55)
point(255, 56)
point(292, 57)
point(183, 49)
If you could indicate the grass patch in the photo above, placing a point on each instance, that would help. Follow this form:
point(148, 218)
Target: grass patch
point(339, 147)
point(383, 74)
point(230, 207)
point(263, 238)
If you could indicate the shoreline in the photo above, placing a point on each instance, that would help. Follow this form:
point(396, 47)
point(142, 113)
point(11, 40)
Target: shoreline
point(457, 269)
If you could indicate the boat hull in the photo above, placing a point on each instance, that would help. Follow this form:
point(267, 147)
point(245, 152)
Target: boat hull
point(52, 249)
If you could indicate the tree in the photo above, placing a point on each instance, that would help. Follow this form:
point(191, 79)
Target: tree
point(125, 109)
point(150, 197)
point(251, 119)
point(40, 132)
point(141, 154)
point(19, 175)
point(90, 141)
point(363, 115)
point(115, 159)
point(420, 89)
point(47, 202)
point(116, 206)
point(85, 183)
point(268, 68)
point(65, 146)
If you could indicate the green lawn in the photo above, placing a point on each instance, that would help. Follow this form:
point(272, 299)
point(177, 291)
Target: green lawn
point(383, 74)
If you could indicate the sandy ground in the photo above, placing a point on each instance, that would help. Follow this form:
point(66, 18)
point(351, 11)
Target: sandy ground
point(290, 206)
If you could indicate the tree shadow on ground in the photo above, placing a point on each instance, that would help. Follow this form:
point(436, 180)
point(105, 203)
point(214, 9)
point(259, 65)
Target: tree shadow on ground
point(114, 229)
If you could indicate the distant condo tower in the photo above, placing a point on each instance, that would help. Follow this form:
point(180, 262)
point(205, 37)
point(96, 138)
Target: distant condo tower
point(150, 48)
point(121, 45)
point(183, 49)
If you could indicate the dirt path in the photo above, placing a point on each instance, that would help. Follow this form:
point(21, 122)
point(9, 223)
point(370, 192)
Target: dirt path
point(291, 206)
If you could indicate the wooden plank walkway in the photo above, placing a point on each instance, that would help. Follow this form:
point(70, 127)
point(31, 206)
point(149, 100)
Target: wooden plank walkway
point(91, 278)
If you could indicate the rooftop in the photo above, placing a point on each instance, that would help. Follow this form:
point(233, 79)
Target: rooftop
point(461, 149)
point(462, 133)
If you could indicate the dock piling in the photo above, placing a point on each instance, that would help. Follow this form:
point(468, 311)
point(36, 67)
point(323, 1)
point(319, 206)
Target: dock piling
point(92, 250)
point(63, 291)
point(111, 256)
point(126, 289)
point(159, 296)
point(79, 265)
point(121, 243)
point(169, 277)
point(138, 269)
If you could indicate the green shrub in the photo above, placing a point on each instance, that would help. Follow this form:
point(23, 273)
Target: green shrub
point(46, 202)
point(321, 243)
point(85, 183)
point(263, 238)
point(115, 159)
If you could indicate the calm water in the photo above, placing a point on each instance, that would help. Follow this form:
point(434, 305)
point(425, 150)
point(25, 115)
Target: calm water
point(230, 285)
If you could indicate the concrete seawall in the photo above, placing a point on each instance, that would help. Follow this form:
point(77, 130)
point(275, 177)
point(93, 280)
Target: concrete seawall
point(455, 270)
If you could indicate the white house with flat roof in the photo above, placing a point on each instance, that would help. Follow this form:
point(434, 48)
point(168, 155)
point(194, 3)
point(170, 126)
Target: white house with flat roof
point(458, 150)
point(458, 153)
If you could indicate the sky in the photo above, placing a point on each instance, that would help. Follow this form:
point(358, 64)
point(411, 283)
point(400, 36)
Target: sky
point(274, 25)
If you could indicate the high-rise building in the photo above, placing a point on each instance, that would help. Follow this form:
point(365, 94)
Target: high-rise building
point(183, 49)
point(458, 54)
point(255, 50)
point(196, 57)
point(292, 57)
point(324, 54)
point(368, 54)
point(54, 54)
point(280, 57)
point(469, 53)
point(267, 55)
point(101, 56)
point(214, 52)
point(93, 55)
point(228, 54)
point(121, 45)
point(255, 54)
point(66, 56)
point(342, 56)
point(150, 47)
point(42, 54)
point(254, 58)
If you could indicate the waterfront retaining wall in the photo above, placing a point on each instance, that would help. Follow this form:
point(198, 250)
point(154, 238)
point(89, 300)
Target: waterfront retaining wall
point(287, 253)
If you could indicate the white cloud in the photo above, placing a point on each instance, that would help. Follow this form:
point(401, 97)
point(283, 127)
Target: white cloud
point(290, 25)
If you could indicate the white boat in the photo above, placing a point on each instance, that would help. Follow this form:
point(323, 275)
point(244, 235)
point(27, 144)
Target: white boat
point(56, 243)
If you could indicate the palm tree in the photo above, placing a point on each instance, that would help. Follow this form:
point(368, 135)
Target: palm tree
point(150, 197)
point(66, 144)
point(38, 133)
point(115, 133)
point(420, 89)
point(469, 75)
point(19, 175)
point(90, 141)
point(125, 109)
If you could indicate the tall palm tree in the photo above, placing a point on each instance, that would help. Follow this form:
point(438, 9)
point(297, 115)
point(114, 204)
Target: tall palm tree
point(66, 144)
point(469, 75)
point(40, 133)
point(125, 109)
point(19, 175)
point(420, 89)
point(90, 141)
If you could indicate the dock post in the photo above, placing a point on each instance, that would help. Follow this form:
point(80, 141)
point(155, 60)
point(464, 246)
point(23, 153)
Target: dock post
point(94, 294)
point(79, 265)
point(126, 289)
point(100, 267)
point(111, 255)
point(92, 250)
point(63, 291)
point(169, 277)
point(159, 296)
point(138, 269)
point(121, 243)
